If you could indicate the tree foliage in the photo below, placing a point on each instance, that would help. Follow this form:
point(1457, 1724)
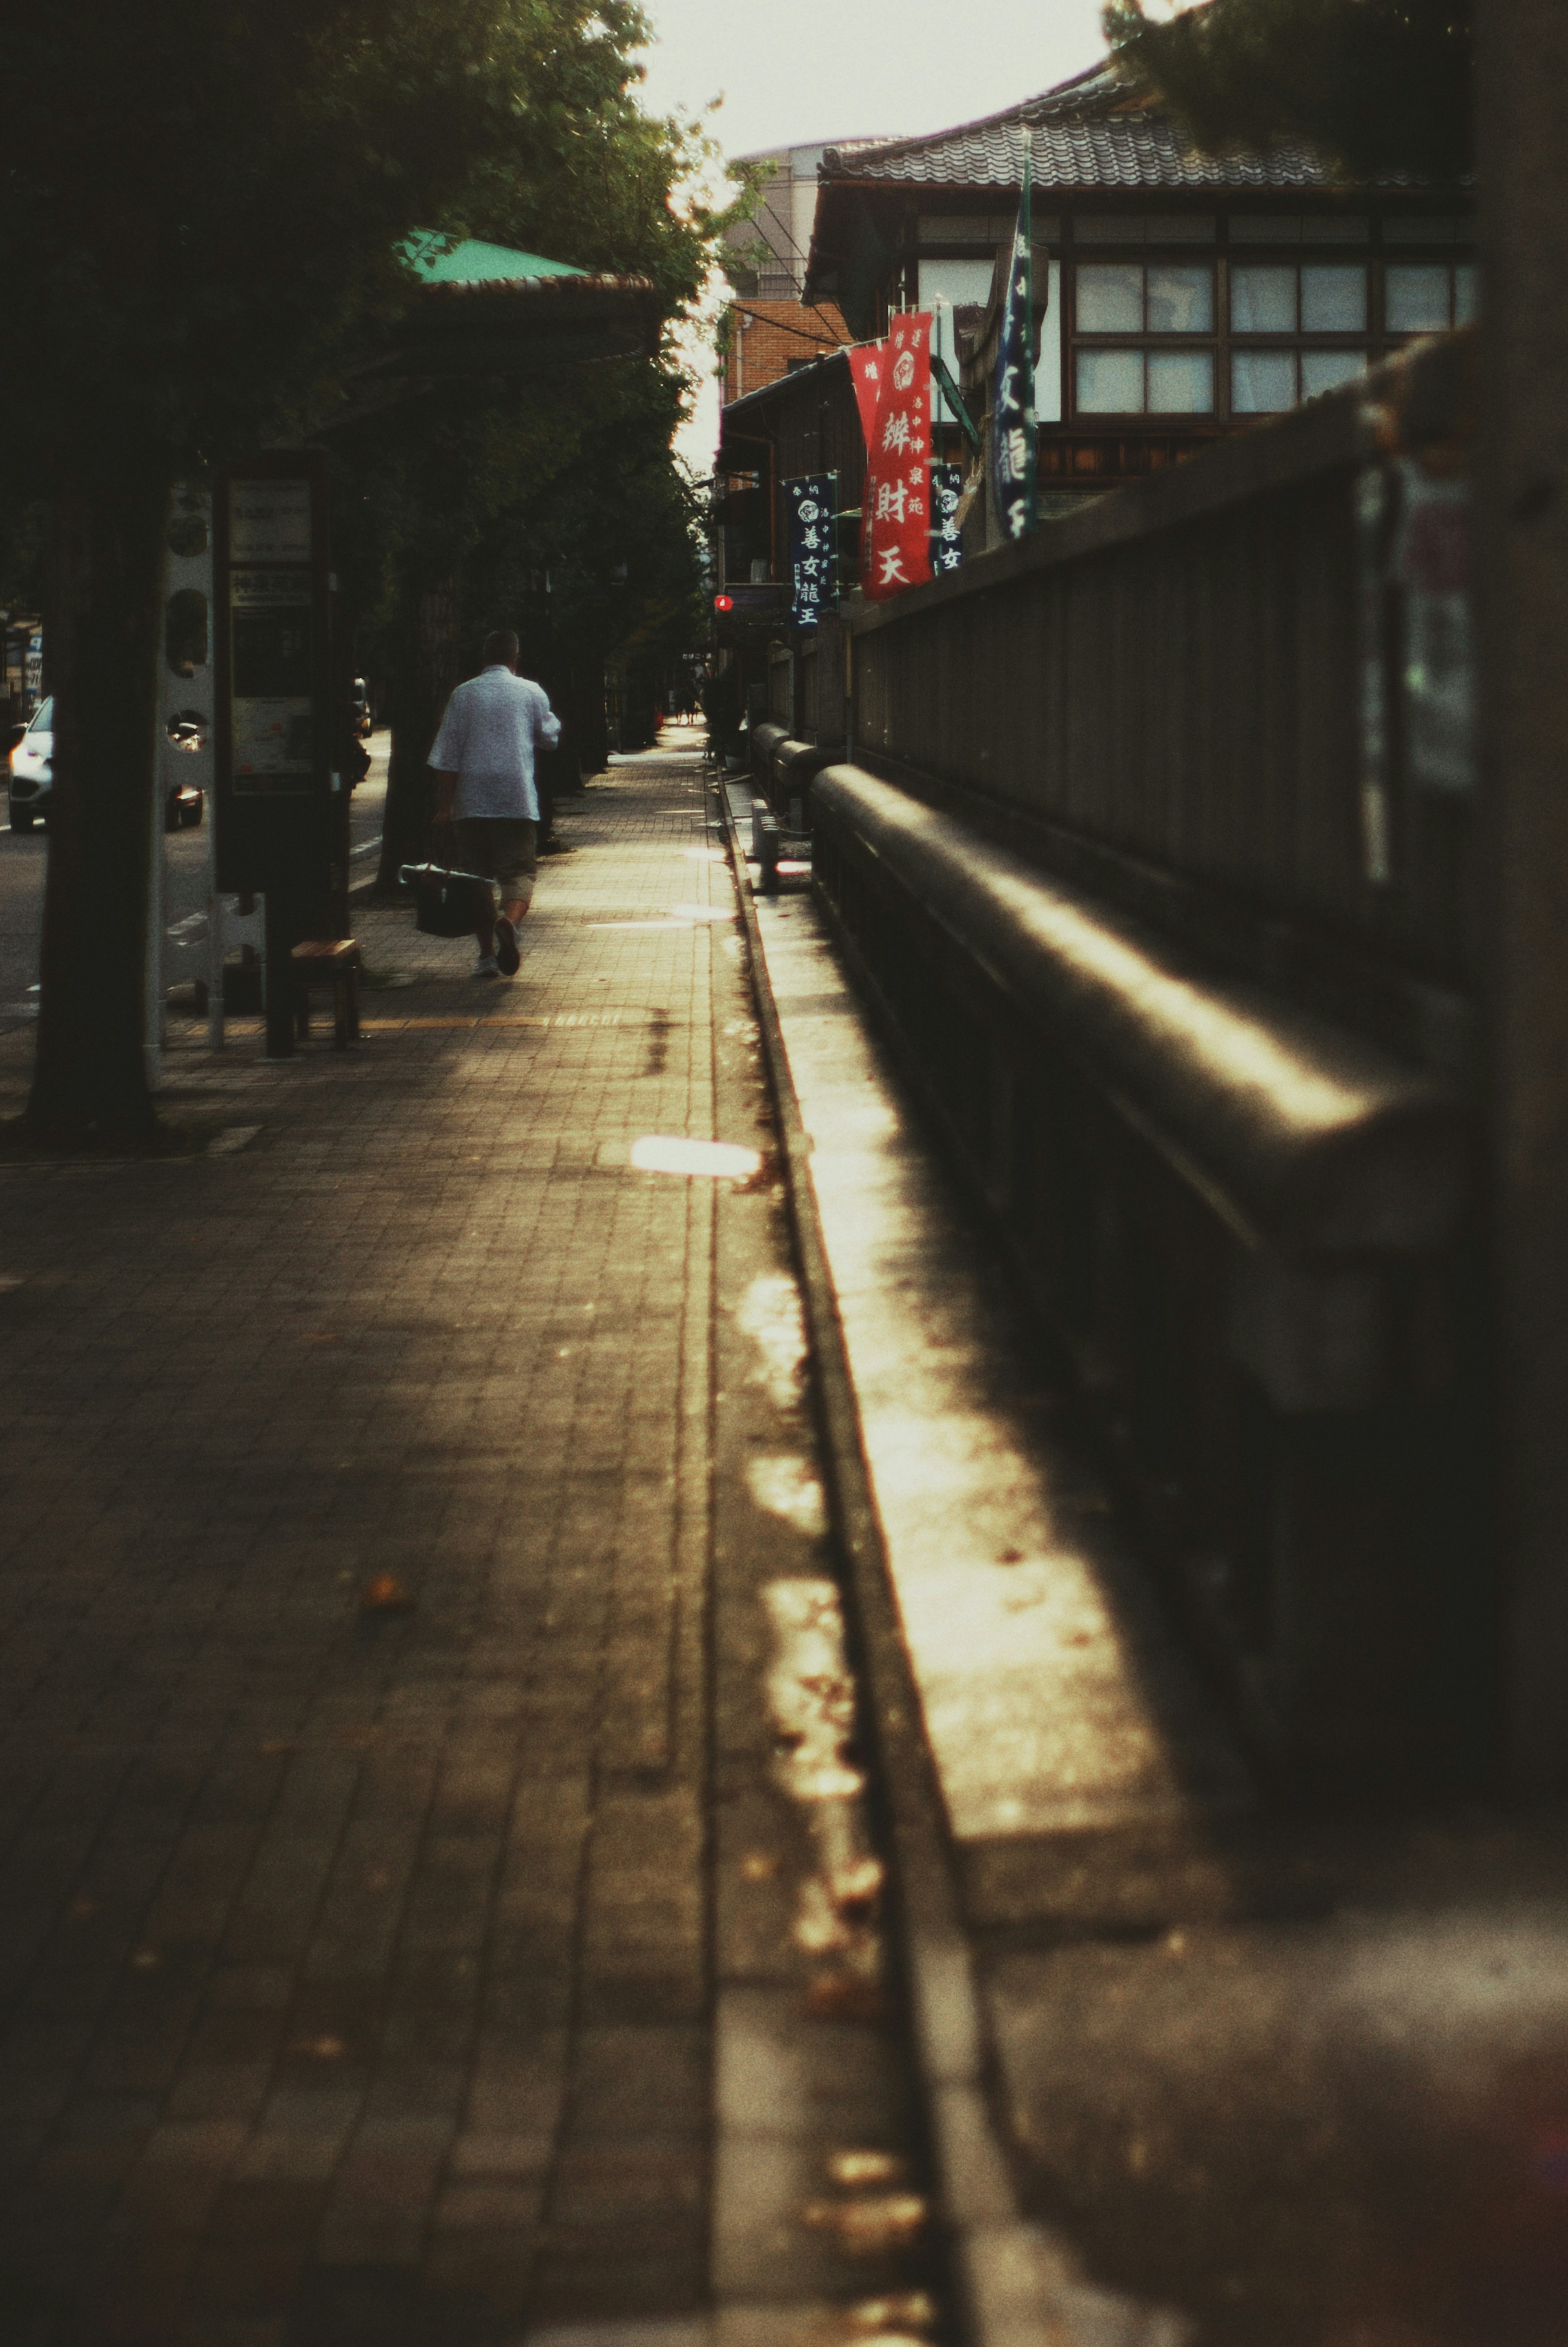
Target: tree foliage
point(201, 201)
point(1377, 86)
point(494, 480)
point(201, 207)
point(553, 505)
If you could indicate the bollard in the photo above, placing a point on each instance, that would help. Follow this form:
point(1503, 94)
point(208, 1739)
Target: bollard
point(767, 835)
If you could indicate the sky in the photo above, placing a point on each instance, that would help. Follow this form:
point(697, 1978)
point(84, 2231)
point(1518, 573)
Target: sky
point(795, 73)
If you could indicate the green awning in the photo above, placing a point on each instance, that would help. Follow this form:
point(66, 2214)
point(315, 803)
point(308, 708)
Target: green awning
point(474, 263)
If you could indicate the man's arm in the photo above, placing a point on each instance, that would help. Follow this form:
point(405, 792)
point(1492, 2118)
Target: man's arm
point(546, 725)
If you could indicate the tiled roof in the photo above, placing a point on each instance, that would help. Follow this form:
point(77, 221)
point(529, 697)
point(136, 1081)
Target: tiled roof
point(1088, 133)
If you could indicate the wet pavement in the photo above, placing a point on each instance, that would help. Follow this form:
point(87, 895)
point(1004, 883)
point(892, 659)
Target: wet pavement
point(442, 1898)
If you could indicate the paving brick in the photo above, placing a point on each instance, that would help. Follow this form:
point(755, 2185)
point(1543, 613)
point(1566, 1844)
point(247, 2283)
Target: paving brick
point(361, 1968)
point(218, 2090)
point(489, 2204)
point(612, 2190)
point(208, 2145)
point(647, 2081)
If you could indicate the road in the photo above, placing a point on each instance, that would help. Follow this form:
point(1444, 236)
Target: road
point(24, 855)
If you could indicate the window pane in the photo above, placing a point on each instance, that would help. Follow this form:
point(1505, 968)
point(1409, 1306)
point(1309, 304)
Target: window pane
point(1261, 381)
point(1181, 383)
point(1417, 297)
point(1333, 298)
point(1181, 298)
point(1466, 293)
point(1110, 383)
point(1262, 299)
point(1326, 370)
point(959, 282)
point(1111, 298)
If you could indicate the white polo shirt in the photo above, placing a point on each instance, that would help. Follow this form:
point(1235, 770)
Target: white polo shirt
point(487, 738)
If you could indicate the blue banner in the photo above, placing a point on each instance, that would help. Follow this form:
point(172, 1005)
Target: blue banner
point(947, 537)
point(1012, 408)
point(811, 503)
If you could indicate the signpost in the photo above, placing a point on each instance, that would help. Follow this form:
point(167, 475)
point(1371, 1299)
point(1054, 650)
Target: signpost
point(279, 804)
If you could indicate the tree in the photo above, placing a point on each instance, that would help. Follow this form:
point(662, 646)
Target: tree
point(454, 528)
point(504, 482)
point(1376, 85)
point(201, 203)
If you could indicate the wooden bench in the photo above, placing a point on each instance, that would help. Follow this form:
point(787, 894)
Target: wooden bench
point(334, 962)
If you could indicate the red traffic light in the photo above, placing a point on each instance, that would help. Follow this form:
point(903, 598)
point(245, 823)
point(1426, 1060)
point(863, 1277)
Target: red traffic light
point(723, 602)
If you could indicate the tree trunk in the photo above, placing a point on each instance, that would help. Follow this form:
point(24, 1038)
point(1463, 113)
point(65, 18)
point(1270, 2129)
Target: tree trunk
point(102, 627)
point(426, 668)
point(592, 723)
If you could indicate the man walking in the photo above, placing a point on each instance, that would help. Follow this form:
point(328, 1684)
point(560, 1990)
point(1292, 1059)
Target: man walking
point(483, 759)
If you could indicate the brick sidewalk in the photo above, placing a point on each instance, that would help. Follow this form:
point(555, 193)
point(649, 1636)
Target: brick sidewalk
point(377, 1976)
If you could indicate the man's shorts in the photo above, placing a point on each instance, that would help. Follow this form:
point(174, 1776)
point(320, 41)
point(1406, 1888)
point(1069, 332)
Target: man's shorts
point(500, 848)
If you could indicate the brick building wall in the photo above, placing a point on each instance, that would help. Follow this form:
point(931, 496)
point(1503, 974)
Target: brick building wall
point(767, 336)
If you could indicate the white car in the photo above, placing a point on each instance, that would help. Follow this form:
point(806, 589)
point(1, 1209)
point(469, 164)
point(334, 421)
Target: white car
point(32, 769)
point(32, 775)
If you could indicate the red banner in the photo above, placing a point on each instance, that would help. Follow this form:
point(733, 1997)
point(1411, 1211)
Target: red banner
point(866, 374)
point(895, 546)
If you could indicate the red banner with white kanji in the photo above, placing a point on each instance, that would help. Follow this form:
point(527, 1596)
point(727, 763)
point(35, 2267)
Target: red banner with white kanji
point(866, 374)
point(895, 548)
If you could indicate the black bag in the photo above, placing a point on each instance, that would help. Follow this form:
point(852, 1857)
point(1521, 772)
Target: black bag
point(448, 904)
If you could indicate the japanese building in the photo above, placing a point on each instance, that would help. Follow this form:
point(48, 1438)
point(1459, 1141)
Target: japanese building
point(788, 405)
point(1179, 295)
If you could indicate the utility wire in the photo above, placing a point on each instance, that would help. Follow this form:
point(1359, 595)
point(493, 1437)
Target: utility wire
point(774, 221)
point(820, 341)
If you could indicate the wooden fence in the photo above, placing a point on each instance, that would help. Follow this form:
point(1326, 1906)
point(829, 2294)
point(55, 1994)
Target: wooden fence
point(1197, 696)
point(1150, 849)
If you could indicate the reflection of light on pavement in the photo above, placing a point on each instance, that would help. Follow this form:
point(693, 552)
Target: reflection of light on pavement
point(664, 1152)
point(787, 1488)
point(812, 1697)
point(679, 916)
point(769, 1314)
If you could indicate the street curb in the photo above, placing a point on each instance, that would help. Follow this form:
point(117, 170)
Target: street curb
point(1014, 2282)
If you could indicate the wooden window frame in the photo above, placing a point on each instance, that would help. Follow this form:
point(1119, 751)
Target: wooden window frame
point(1175, 345)
point(1378, 340)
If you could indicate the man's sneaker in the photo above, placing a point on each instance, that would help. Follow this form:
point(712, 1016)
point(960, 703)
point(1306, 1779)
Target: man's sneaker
point(508, 957)
point(486, 966)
